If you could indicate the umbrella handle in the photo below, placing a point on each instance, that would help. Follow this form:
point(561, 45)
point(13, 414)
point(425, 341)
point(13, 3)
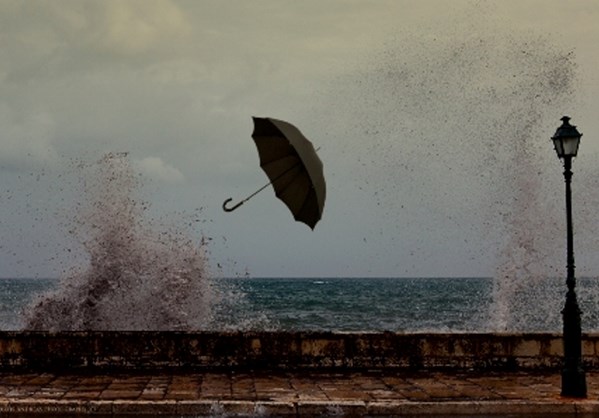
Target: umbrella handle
point(226, 209)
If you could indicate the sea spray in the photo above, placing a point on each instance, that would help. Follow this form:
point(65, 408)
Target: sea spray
point(139, 275)
point(455, 149)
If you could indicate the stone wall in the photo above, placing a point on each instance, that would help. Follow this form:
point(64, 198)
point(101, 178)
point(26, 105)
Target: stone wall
point(286, 350)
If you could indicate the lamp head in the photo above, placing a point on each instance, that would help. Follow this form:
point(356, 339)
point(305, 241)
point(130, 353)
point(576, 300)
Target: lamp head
point(566, 139)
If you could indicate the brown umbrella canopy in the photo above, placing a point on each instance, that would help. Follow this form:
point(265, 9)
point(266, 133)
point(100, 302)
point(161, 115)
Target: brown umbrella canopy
point(293, 167)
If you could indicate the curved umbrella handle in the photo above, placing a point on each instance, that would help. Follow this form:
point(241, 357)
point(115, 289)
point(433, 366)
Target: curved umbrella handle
point(226, 209)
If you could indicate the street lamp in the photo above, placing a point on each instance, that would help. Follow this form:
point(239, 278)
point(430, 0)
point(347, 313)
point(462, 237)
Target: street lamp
point(566, 141)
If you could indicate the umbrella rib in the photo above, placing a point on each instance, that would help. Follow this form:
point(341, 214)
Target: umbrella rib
point(305, 205)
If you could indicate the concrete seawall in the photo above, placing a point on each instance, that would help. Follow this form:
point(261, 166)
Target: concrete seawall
point(81, 351)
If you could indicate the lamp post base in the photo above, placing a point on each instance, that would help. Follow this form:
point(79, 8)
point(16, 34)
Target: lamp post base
point(574, 383)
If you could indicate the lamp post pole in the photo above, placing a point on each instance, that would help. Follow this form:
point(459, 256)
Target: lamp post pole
point(573, 376)
point(566, 141)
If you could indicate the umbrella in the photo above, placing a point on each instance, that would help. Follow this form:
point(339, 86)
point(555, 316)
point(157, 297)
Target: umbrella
point(293, 167)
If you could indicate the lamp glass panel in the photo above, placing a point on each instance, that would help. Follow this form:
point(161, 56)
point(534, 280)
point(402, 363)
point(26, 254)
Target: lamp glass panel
point(559, 148)
point(570, 145)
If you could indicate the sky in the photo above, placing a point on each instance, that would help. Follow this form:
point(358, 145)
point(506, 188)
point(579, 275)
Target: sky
point(433, 119)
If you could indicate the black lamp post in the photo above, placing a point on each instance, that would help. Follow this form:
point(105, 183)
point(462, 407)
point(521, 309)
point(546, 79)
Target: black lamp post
point(566, 141)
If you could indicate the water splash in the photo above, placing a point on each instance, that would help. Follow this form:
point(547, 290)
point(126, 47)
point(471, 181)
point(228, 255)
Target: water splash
point(138, 276)
point(456, 135)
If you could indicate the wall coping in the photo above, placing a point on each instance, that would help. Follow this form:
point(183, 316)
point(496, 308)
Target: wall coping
point(313, 350)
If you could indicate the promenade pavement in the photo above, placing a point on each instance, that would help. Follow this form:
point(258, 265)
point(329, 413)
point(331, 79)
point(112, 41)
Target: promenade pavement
point(281, 393)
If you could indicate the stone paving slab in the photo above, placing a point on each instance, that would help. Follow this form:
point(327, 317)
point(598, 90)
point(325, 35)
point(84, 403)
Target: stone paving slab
point(279, 393)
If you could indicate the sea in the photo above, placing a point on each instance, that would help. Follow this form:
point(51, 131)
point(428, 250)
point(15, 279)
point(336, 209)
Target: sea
point(355, 304)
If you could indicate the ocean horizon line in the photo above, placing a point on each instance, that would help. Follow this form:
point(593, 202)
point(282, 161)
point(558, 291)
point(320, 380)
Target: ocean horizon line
point(316, 277)
point(357, 277)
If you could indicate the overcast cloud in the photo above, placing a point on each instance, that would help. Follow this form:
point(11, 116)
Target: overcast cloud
point(175, 83)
